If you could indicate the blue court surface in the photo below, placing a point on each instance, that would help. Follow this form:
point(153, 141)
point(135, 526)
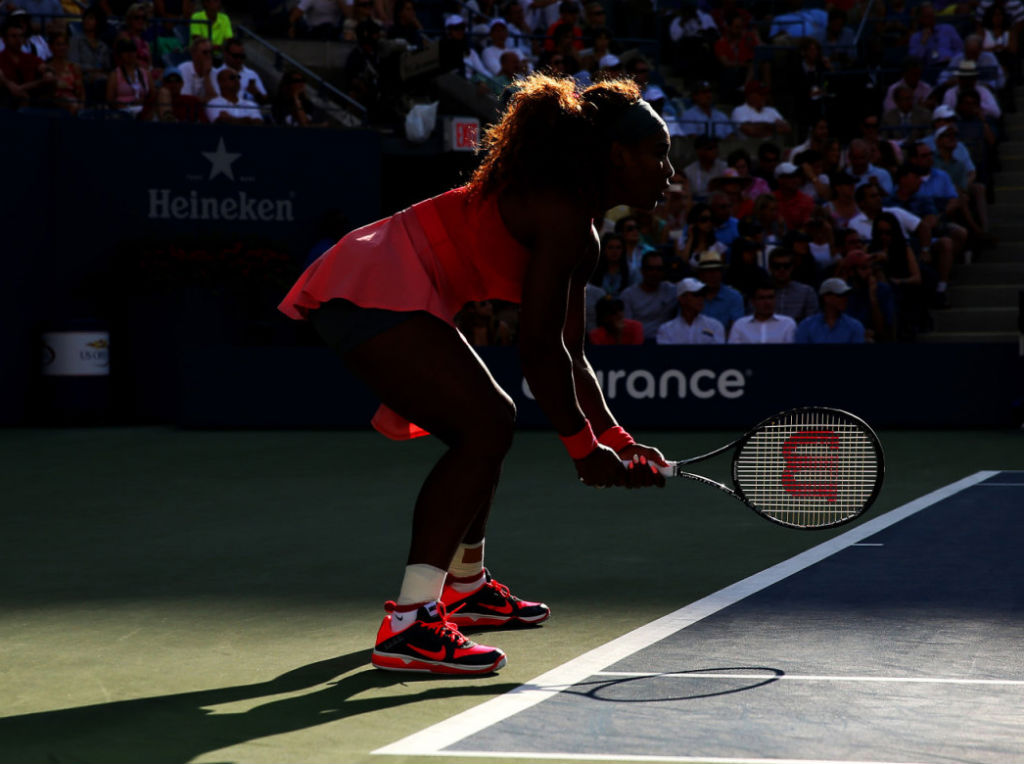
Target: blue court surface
point(901, 640)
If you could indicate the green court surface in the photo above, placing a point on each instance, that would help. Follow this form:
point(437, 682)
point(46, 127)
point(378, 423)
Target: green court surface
point(194, 596)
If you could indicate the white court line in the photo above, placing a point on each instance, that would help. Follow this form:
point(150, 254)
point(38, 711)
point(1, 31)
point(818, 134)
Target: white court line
point(647, 758)
point(433, 740)
point(813, 678)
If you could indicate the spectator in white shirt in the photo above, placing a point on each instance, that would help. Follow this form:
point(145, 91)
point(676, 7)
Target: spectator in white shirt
point(197, 74)
point(691, 326)
point(764, 326)
point(229, 107)
point(755, 118)
point(251, 86)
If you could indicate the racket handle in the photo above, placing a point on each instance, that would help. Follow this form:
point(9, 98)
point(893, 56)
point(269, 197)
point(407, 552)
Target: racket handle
point(668, 470)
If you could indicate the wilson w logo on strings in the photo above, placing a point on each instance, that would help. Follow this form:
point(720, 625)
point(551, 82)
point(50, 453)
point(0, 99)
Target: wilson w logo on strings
point(811, 459)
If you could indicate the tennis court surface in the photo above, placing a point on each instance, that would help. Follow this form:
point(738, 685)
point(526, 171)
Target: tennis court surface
point(897, 641)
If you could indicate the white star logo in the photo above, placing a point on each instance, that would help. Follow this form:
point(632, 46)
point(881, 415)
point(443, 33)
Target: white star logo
point(220, 161)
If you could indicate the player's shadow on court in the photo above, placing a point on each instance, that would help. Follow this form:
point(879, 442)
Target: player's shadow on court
point(178, 728)
point(673, 686)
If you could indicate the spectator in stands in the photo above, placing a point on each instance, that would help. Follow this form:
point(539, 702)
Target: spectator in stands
point(755, 118)
point(168, 48)
point(725, 226)
point(251, 85)
point(499, 43)
point(870, 299)
point(739, 160)
point(612, 273)
point(229, 107)
point(822, 245)
point(869, 201)
point(882, 152)
point(568, 13)
point(967, 81)
point(990, 71)
point(136, 21)
point(359, 11)
point(693, 34)
point(652, 302)
point(691, 326)
point(628, 227)
point(317, 19)
point(744, 271)
point(69, 88)
point(361, 74)
point(613, 328)
point(699, 235)
point(175, 106)
point(814, 181)
point(1000, 38)
point(831, 325)
point(766, 215)
point(891, 251)
point(92, 56)
point(721, 301)
point(795, 207)
point(809, 82)
point(702, 118)
point(732, 184)
point(842, 207)
point(860, 167)
point(913, 69)
point(792, 298)
point(27, 78)
point(763, 326)
point(706, 166)
point(197, 74)
point(1013, 9)
point(817, 139)
point(735, 53)
point(907, 120)
point(840, 43)
point(974, 206)
point(211, 23)
point(602, 44)
point(595, 20)
point(935, 44)
point(768, 157)
point(129, 85)
point(407, 26)
point(457, 55)
point(481, 327)
point(173, 9)
point(292, 106)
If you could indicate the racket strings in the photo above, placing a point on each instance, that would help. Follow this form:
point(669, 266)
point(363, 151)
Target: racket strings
point(809, 468)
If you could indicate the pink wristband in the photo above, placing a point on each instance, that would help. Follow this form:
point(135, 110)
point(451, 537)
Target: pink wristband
point(616, 438)
point(582, 444)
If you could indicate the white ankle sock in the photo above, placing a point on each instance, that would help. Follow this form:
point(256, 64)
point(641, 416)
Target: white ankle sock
point(468, 561)
point(421, 583)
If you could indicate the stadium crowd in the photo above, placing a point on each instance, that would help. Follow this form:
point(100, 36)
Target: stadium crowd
point(833, 163)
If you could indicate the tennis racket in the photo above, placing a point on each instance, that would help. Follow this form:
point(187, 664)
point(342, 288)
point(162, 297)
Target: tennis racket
point(810, 468)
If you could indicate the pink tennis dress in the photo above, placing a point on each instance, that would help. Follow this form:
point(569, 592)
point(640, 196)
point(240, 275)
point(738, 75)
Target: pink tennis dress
point(435, 256)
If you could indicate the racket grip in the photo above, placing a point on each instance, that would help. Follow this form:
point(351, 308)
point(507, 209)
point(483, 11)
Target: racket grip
point(668, 470)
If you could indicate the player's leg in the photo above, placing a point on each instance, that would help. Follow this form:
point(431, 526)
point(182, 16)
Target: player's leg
point(424, 371)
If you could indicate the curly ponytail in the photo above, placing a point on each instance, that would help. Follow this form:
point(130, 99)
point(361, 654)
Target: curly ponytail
point(553, 136)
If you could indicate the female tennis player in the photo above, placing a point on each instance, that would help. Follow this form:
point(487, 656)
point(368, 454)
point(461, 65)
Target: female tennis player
point(385, 296)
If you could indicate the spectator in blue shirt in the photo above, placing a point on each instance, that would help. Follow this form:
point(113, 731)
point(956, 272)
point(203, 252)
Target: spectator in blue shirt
point(702, 118)
point(832, 325)
point(935, 44)
point(721, 301)
point(725, 225)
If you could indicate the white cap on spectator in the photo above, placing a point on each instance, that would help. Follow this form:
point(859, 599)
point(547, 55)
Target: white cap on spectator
point(496, 21)
point(943, 111)
point(454, 20)
point(690, 285)
point(833, 286)
point(654, 93)
point(608, 60)
point(945, 129)
point(786, 168)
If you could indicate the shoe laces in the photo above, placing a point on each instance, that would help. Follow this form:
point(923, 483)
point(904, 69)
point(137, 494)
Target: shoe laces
point(501, 589)
point(444, 628)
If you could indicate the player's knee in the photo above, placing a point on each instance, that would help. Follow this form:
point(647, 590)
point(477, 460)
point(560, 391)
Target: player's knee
point(493, 427)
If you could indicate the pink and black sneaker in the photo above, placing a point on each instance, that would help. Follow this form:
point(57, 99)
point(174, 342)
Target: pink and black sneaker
point(491, 605)
point(432, 644)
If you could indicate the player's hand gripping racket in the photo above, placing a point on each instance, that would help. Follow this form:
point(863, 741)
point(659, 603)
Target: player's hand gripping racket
point(808, 468)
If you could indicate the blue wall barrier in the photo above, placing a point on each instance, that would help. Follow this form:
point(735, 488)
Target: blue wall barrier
point(926, 386)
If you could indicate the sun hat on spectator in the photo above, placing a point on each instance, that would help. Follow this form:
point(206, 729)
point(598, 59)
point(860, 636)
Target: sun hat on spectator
point(690, 285)
point(834, 285)
point(455, 20)
point(497, 21)
point(946, 129)
point(710, 259)
point(943, 111)
point(967, 68)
